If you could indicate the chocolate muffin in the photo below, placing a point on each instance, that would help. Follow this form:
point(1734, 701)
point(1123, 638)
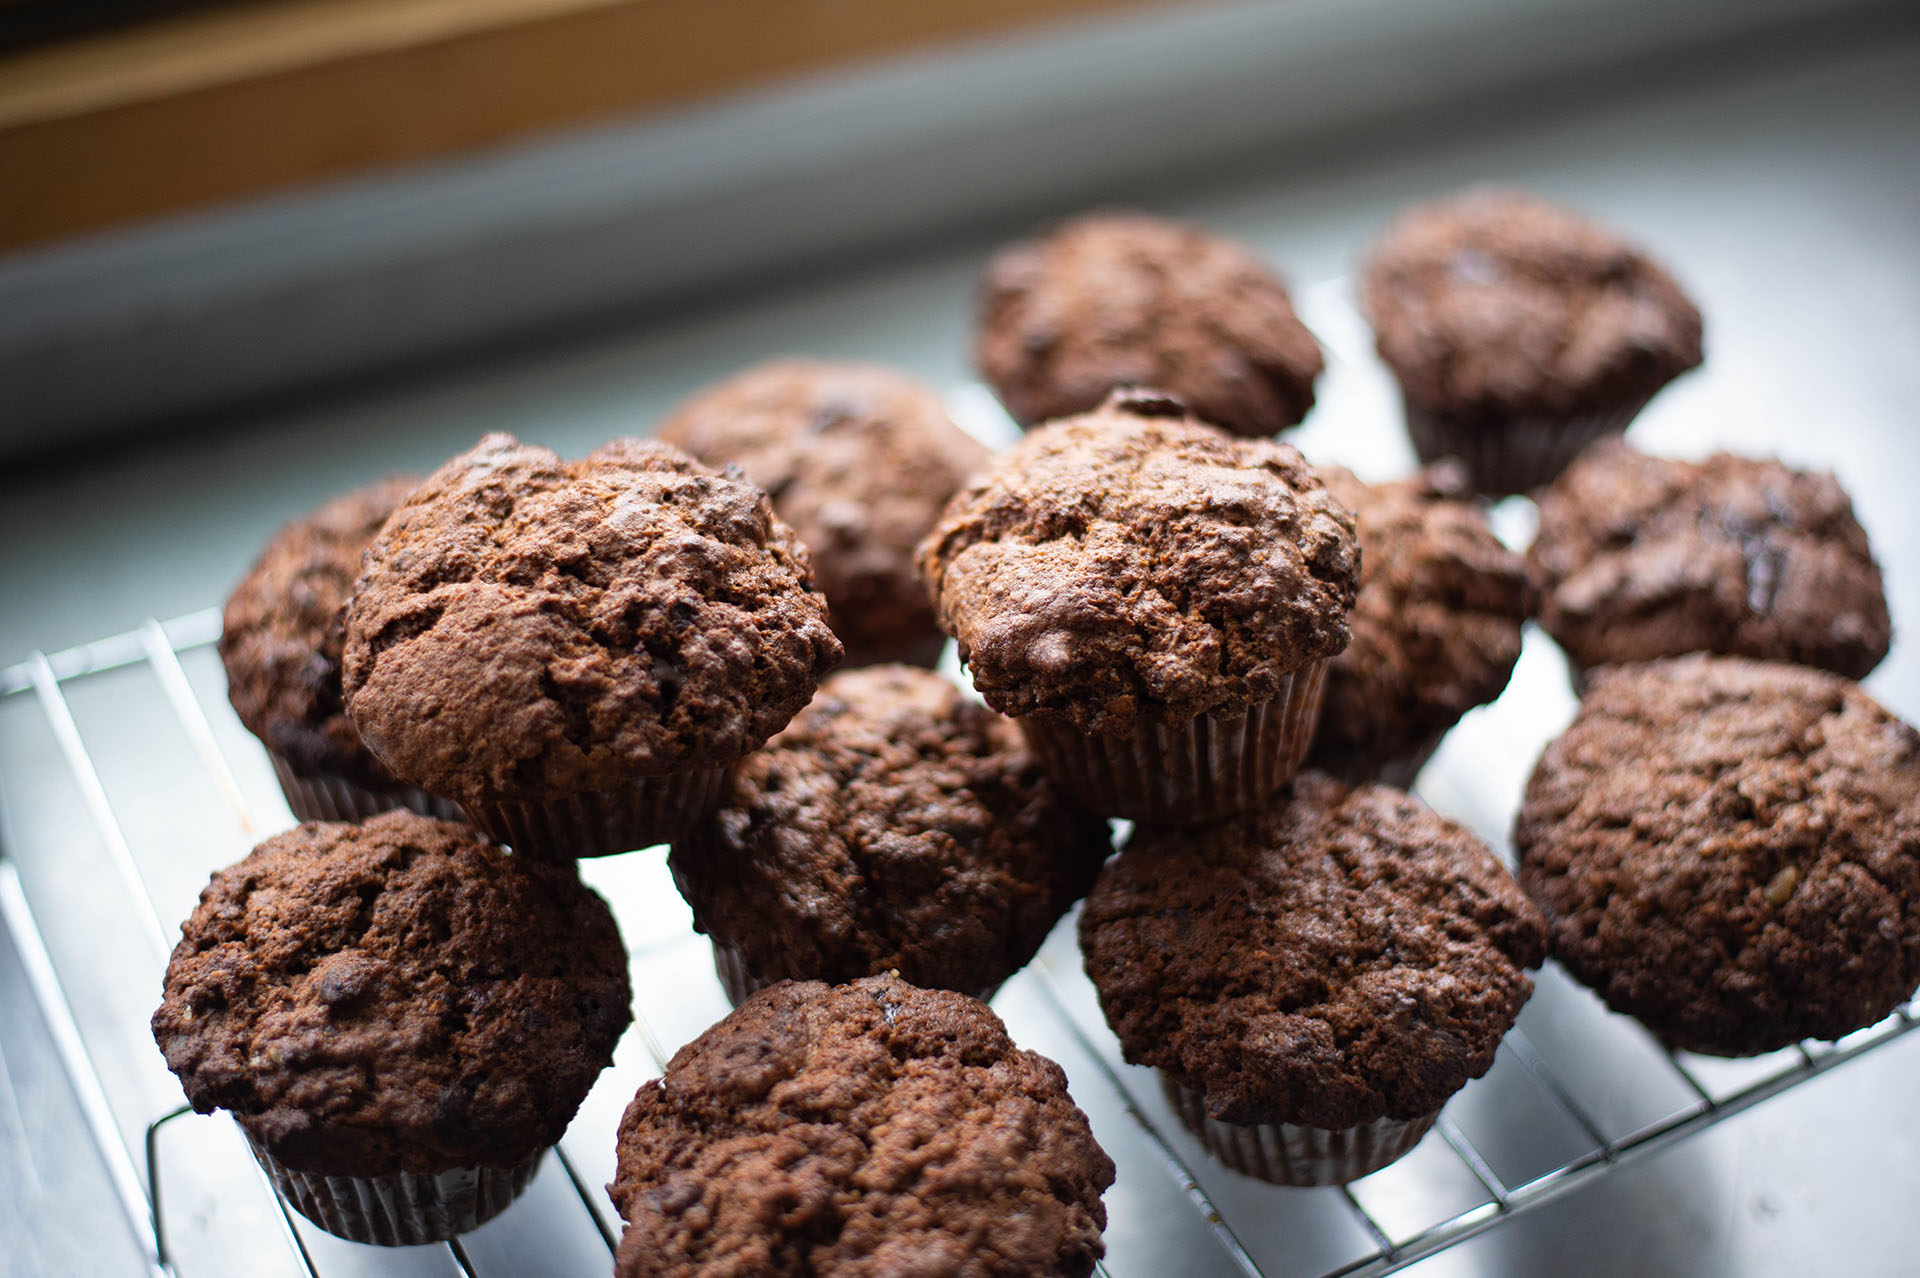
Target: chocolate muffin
point(1315, 979)
point(280, 641)
point(1521, 332)
point(1111, 300)
point(1436, 626)
point(1155, 601)
point(865, 1129)
point(894, 826)
point(578, 652)
point(401, 1017)
point(859, 461)
point(1729, 850)
point(1640, 557)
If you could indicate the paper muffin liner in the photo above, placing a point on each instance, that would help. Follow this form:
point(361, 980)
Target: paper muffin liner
point(404, 1209)
point(1288, 1154)
point(651, 810)
point(741, 984)
point(1202, 769)
point(1515, 454)
point(322, 797)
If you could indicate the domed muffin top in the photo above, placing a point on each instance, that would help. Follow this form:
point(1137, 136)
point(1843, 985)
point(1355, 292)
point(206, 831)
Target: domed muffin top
point(1499, 302)
point(1729, 850)
point(1113, 300)
point(1436, 625)
point(1640, 557)
point(1338, 957)
point(528, 627)
point(894, 825)
point(393, 996)
point(870, 1128)
point(1133, 560)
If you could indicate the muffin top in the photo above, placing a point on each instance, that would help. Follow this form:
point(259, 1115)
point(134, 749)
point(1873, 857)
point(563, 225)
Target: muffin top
point(1640, 557)
point(528, 627)
point(280, 637)
point(865, 1129)
point(895, 825)
point(393, 996)
point(1500, 303)
point(1340, 956)
point(1436, 626)
point(1730, 851)
point(1121, 299)
point(1134, 560)
point(859, 461)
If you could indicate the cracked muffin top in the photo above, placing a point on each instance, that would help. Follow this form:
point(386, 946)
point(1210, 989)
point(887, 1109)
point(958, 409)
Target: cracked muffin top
point(895, 825)
point(1497, 303)
point(280, 636)
point(1133, 560)
point(528, 627)
point(858, 460)
point(1729, 850)
point(1436, 625)
point(1337, 957)
point(1114, 300)
point(860, 1130)
point(393, 996)
point(1640, 557)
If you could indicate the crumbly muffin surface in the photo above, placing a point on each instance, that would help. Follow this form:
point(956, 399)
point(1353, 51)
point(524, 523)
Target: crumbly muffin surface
point(1436, 625)
point(393, 996)
point(1113, 300)
point(280, 635)
point(862, 1130)
point(1501, 303)
point(1133, 560)
point(528, 627)
point(859, 461)
point(1341, 956)
point(1640, 557)
point(1729, 850)
point(894, 825)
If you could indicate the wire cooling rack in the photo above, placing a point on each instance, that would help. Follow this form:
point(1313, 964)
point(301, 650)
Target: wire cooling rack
point(128, 780)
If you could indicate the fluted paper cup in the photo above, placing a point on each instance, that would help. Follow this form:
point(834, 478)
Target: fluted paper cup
point(742, 983)
point(1515, 454)
point(403, 1209)
point(321, 797)
point(1201, 769)
point(648, 811)
point(1289, 1154)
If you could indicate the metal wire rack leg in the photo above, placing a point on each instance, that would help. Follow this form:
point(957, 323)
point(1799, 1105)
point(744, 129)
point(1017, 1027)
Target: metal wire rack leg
point(161, 1255)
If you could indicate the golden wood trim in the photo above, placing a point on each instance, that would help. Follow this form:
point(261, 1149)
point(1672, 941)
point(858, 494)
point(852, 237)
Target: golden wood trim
point(235, 102)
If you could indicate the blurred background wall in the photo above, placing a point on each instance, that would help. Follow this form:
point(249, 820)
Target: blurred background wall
point(206, 208)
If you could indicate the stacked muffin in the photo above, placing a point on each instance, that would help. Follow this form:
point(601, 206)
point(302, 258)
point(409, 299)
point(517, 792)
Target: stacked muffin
point(1171, 618)
point(1260, 961)
point(587, 657)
